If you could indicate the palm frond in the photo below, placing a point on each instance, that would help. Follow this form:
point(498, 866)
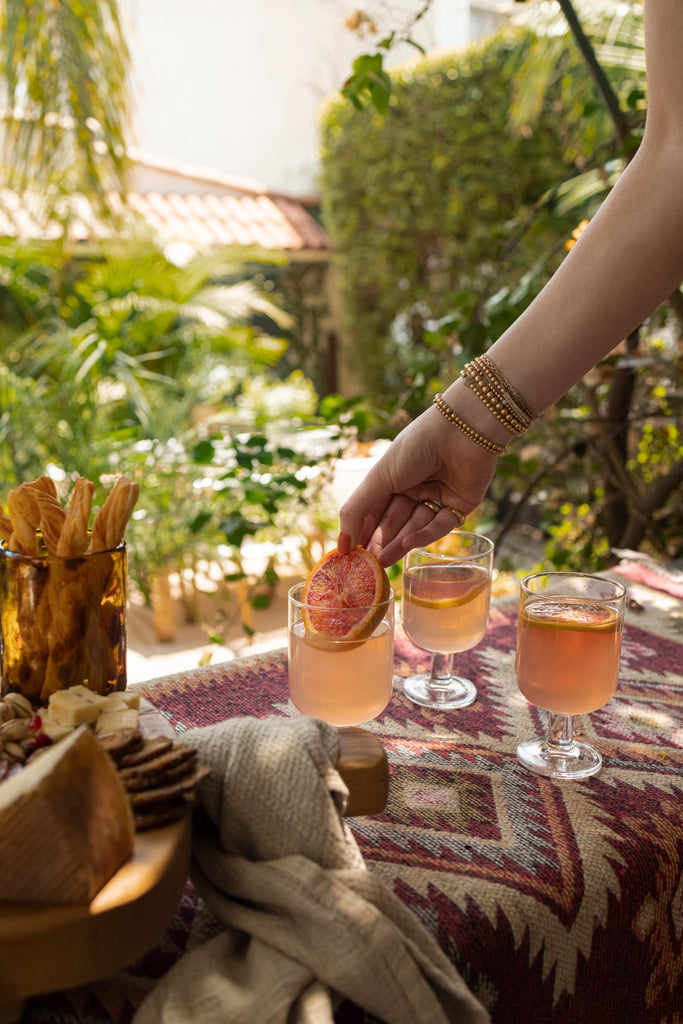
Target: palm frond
point(66, 75)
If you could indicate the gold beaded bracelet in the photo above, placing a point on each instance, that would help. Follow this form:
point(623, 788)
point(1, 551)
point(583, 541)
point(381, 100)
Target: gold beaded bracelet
point(498, 394)
point(466, 429)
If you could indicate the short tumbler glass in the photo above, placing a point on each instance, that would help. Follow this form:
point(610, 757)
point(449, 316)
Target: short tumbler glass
point(343, 682)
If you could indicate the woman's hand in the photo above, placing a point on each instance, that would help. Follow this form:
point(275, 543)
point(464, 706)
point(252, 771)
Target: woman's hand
point(428, 460)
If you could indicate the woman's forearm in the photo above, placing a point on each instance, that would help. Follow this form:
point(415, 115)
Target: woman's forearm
point(625, 264)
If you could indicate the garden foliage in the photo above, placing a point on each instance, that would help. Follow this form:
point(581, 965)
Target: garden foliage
point(126, 362)
point(449, 206)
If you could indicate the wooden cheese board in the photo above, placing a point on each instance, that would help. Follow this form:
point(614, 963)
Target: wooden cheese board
point(46, 949)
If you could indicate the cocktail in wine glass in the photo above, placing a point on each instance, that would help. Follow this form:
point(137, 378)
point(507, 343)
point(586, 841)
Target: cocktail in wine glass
point(445, 606)
point(342, 681)
point(568, 647)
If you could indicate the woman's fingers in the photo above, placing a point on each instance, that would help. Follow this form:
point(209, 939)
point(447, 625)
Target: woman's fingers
point(420, 530)
point(361, 513)
point(403, 515)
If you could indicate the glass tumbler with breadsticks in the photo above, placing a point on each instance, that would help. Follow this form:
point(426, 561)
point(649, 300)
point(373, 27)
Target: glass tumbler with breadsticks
point(63, 589)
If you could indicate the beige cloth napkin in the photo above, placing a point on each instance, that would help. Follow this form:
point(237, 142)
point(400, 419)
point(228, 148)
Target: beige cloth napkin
point(306, 923)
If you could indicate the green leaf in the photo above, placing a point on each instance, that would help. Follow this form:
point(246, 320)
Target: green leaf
point(203, 453)
point(369, 84)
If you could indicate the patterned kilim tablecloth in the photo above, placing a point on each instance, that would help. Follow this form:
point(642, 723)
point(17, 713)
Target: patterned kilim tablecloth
point(558, 902)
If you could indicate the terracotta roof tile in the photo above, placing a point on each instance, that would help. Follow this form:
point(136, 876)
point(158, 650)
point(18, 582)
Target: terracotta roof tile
point(270, 221)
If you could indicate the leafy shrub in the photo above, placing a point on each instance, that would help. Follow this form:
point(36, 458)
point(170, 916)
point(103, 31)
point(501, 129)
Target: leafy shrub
point(426, 204)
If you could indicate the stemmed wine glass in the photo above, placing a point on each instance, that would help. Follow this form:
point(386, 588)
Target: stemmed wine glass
point(568, 648)
point(445, 606)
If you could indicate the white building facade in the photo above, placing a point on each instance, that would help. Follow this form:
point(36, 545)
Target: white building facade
point(235, 85)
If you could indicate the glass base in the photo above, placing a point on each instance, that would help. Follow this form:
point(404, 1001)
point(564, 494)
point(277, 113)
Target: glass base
point(577, 761)
point(456, 693)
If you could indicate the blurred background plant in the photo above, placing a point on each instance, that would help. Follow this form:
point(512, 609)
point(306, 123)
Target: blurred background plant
point(128, 362)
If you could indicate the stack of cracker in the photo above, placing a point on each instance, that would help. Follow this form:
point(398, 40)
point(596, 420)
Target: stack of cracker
point(160, 776)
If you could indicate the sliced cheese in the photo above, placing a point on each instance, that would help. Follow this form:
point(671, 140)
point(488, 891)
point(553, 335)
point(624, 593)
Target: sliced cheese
point(112, 721)
point(74, 706)
point(55, 730)
point(66, 824)
point(130, 697)
point(112, 703)
point(120, 699)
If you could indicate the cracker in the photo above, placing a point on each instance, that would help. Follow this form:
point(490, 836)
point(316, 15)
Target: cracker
point(121, 742)
point(139, 782)
point(157, 767)
point(161, 794)
point(163, 815)
point(150, 749)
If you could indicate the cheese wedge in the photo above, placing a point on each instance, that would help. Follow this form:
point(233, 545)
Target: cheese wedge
point(66, 824)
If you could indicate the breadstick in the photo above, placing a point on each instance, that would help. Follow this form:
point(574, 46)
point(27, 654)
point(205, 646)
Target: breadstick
point(74, 536)
point(25, 516)
point(5, 527)
point(112, 518)
point(44, 483)
point(52, 517)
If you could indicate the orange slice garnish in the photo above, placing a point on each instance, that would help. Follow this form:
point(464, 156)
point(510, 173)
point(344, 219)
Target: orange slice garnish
point(343, 597)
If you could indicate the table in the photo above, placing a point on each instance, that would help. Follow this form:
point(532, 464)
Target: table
point(558, 902)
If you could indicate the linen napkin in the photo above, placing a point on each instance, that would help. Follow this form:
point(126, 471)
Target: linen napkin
point(306, 922)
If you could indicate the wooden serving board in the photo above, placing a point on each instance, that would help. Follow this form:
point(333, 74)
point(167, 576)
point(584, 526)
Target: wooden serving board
point(46, 949)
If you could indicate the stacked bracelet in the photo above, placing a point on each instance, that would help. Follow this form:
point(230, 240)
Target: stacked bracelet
point(465, 428)
point(499, 396)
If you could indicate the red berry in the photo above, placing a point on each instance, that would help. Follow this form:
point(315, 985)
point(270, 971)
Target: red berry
point(41, 739)
point(35, 723)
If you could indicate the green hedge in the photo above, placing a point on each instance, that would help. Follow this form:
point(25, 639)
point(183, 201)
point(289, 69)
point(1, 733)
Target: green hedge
point(424, 203)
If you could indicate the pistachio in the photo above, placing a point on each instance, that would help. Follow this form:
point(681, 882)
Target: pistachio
point(6, 712)
point(21, 703)
point(15, 751)
point(15, 729)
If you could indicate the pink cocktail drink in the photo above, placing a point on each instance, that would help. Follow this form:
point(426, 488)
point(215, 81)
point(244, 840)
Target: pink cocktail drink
point(446, 595)
point(568, 647)
point(445, 608)
point(342, 682)
point(568, 655)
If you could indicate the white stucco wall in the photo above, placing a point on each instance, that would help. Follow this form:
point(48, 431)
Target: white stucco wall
point(235, 85)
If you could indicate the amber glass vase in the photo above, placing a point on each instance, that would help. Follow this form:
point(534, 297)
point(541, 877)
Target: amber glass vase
point(62, 622)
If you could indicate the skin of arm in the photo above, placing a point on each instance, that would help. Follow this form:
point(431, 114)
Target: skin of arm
point(628, 260)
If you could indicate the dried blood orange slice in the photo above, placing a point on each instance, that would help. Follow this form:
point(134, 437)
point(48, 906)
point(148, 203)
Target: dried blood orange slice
point(343, 596)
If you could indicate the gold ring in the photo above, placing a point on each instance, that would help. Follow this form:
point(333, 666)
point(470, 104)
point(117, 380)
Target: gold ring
point(439, 506)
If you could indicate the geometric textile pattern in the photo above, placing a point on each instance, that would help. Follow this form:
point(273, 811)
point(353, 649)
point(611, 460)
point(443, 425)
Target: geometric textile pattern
point(558, 902)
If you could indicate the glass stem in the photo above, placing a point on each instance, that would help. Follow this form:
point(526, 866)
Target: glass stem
point(560, 733)
point(441, 670)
